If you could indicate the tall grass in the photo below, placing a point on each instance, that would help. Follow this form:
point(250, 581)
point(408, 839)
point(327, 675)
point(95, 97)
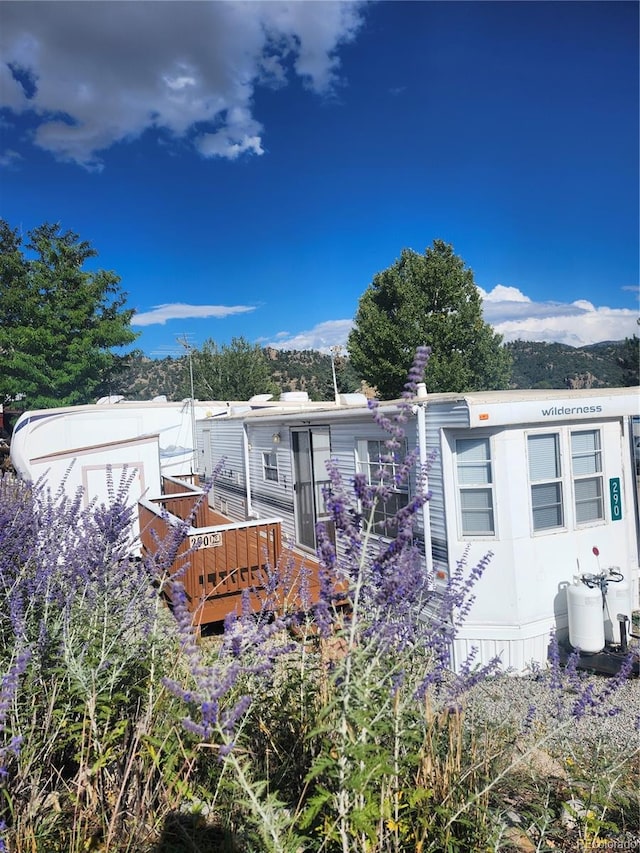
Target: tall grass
point(93, 744)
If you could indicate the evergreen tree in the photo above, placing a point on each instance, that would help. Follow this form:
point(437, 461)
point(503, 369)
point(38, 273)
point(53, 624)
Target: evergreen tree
point(58, 322)
point(629, 361)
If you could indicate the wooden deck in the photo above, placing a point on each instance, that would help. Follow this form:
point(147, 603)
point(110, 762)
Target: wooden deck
point(220, 561)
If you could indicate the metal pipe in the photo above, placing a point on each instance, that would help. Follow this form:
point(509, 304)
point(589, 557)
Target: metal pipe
point(623, 619)
point(193, 419)
point(421, 416)
point(247, 469)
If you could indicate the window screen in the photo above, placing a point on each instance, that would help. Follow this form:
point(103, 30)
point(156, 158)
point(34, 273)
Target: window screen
point(374, 464)
point(586, 461)
point(545, 472)
point(475, 479)
point(270, 465)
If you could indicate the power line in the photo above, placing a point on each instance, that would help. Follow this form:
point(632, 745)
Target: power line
point(188, 345)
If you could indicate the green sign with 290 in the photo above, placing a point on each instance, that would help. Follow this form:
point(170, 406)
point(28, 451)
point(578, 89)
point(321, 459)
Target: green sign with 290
point(615, 498)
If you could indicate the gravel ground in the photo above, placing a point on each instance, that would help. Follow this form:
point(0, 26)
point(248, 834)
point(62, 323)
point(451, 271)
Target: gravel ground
point(595, 757)
point(613, 723)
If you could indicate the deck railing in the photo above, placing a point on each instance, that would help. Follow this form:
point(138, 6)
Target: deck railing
point(220, 561)
point(215, 562)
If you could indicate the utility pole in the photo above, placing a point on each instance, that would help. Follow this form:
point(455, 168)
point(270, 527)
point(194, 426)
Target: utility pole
point(184, 341)
point(335, 352)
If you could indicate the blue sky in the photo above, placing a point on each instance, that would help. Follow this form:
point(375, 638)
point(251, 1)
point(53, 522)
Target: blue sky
point(247, 168)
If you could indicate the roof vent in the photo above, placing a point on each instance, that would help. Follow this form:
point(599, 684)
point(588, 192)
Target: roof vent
point(356, 399)
point(113, 398)
point(294, 397)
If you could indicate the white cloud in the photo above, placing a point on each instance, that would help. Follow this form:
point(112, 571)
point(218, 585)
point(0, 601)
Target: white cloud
point(512, 314)
point(500, 293)
point(160, 314)
point(239, 134)
point(321, 337)
point(579, 323)
point(97, 73)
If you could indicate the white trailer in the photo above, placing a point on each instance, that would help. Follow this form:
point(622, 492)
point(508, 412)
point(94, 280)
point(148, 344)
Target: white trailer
point(91, 447)
point(98, 471)
point(45, 431)
point(538, 478)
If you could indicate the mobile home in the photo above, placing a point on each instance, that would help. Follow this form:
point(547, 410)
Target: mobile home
point(539, 478)
point(88, 446)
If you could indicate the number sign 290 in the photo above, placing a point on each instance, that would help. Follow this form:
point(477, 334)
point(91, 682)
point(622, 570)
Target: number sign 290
point(615, 498)
point(205, 540)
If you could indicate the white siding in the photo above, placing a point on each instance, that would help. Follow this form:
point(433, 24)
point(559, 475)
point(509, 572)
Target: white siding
point(226, 457)
point(344, 435)
point(438, 417)
point(271, 499)
point(518, 649)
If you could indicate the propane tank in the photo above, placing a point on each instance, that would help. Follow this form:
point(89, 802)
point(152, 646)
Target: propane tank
point(584, 607)
point(617, 600)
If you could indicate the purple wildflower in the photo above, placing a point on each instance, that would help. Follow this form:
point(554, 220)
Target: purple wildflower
point(247, 650)
point(527, 723)
point(590, 702)
point(8, 692)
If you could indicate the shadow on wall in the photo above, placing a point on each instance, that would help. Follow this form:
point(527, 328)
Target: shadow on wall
point(560, 611)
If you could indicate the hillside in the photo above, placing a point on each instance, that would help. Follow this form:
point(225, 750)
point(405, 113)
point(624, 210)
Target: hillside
point(609, 364)
point(535, 365)
point(291, 370)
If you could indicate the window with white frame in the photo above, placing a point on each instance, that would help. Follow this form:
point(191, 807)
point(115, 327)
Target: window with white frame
point(270, 465)
point(550, 481)
point(586, 468)
point(475, 486)
point(545, 476)
point(373, 462)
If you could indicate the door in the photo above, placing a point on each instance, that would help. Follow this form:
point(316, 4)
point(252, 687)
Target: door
point(207, 461)
point(311, 451)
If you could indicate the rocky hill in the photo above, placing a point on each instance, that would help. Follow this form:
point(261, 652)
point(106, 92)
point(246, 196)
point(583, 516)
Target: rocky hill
point(535, 365)
point(291, 370)
point(609, 364)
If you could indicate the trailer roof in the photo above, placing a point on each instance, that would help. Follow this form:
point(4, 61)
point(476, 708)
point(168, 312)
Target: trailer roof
point(530, 405)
